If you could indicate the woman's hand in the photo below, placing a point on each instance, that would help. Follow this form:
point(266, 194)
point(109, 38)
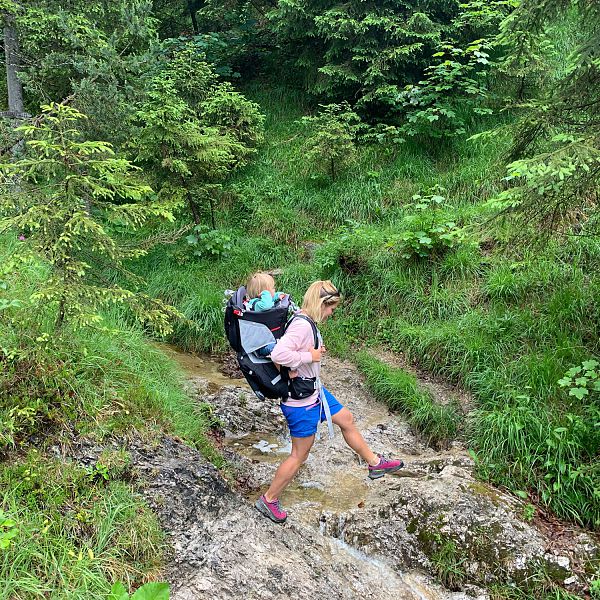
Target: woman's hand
point(316, 353)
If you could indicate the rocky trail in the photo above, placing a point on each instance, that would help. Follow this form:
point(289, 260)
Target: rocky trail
point(346, 536)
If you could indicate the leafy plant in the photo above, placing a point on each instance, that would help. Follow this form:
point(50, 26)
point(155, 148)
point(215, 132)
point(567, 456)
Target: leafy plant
point(8, 531)
point(431, 200)
point(582, 379)
point(214, 243)
point(98, 472)
point(427, 242)
point(528, 512)
point(432, 106)
point(149, 591)
point(6, 303)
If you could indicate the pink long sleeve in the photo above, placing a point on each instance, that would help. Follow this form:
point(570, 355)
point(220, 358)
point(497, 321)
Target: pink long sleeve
point(293, 349)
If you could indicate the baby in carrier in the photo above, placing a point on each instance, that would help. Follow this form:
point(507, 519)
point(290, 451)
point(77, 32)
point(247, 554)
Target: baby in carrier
point(262, 296)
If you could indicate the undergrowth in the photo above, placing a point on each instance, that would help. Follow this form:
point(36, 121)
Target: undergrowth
point(76, 531)
point(68, 531)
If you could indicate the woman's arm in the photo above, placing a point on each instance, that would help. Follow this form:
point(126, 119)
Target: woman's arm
point(294, 347)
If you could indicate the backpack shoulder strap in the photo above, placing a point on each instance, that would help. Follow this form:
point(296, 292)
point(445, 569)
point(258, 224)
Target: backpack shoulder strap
point(312, 325)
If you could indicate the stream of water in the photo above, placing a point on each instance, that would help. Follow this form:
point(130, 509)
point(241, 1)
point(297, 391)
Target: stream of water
point(332, 481)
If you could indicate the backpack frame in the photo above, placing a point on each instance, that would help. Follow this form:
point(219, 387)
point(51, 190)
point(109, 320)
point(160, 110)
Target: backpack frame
point(249, 330)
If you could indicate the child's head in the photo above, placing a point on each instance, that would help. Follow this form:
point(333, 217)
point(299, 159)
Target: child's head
point(321, 298)
point(258, 283)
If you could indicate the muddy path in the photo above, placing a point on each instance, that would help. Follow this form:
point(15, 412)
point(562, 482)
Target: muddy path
point(345, 534)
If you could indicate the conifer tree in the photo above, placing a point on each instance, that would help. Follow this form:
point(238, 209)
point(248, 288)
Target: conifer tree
point(92, 49)
point(62, 198)
point(187, 159)
point(555, 171)
point(192, 131)
point(360, 47)
point(330, 144)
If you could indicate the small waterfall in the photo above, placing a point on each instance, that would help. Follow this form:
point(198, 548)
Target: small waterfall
point(322, 525)
point(341, 528)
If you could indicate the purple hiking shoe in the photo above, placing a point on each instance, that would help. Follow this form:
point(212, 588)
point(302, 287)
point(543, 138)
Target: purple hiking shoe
point(384, 466)
point(272, 510)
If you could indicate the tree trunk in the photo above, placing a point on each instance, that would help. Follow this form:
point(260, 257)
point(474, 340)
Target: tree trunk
point(212, 212)
point(190, 199)
point(192, 10)
point(60, 317)
point(11, 52)
point(194, 209)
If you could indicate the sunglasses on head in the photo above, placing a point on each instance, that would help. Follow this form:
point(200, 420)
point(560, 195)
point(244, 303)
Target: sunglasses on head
point(328, 295)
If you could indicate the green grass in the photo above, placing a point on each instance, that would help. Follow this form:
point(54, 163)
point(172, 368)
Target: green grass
point(500, 319)
point(400, 391)
point(504, 321)
point(109, 381)
point(75, 535)
point(79, 531)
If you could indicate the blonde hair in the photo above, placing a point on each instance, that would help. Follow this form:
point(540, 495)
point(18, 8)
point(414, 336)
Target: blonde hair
point(257, 283)
point(319, 293)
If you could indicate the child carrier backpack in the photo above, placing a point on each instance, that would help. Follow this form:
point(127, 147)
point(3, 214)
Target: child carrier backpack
point(249, 330)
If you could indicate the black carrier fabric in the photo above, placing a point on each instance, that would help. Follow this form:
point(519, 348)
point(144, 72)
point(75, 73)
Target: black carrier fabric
point(247, 331)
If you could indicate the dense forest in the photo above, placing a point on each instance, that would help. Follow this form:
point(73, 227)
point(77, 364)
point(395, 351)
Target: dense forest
point(438, 160)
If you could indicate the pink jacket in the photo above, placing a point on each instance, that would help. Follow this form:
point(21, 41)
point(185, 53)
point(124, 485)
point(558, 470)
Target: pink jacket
point(293, 351)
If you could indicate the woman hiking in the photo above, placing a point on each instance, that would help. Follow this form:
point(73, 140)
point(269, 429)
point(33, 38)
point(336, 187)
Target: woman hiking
point(296, 350)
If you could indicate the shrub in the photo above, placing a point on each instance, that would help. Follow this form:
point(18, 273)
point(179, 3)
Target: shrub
point(211, 243)
point(434, 240)
point(431, 111)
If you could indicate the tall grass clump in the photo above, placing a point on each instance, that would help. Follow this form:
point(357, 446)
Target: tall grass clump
point(552, 453)
point(196, 285)
point(106, 380)
point(74, 532)
point(400, 391)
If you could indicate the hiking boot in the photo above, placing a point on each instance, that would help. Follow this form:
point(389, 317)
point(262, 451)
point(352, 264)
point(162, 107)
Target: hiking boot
point(385, 465)
point(272, 510)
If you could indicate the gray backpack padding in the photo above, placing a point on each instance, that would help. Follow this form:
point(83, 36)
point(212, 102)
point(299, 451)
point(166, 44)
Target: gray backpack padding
point(254, 335)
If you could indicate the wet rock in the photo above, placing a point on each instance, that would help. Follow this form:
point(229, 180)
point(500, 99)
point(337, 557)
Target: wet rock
point(239, 411)
point(230, 366)
point(264, 446)
point(432, 508)
point(449, 514)
point(223, 548)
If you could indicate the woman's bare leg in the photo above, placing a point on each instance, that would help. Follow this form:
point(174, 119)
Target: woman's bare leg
point(289, 467)
point(345, 421)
